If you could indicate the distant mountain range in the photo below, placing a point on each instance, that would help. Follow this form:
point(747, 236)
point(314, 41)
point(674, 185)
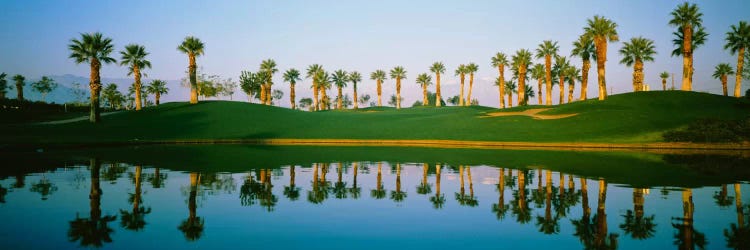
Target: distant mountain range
point(65, 91)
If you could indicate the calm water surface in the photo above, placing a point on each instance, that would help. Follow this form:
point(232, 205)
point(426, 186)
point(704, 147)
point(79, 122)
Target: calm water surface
point(80, 199)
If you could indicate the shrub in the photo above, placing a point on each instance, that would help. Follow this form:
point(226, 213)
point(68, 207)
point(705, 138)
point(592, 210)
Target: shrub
point(711, 130)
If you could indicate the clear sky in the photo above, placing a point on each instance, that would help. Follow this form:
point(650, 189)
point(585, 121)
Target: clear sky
point(353, 35)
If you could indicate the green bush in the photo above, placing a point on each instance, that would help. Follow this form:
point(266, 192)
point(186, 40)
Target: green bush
point(711, 130)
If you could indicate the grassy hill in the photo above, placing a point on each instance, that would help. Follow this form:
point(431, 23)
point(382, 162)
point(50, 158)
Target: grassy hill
point(625, 118)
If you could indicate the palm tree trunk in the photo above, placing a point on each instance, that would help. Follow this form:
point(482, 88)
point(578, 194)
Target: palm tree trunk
point(95, 86)
point(437, 89)
point(548, 77)
point(601, 215)
point(137, 196)
point(263, 94)
point(637, 76)
point(687, 51)
point(724, 84)
point(738, 205)
point(462, 101)
point(539, 87)
point(398, 93)
point(355, 97)
point(585, 78)
point(437, 180)
point(193, 79)
point(501, 84)
point(95, 194)
point(137, 86)
point(510, 99)
point(601, 55)
point(471, 85)
point(292, 96)
point(664, 84)
point(585, 198)
point(738, 78)
point(269, 97)
point(19, 91)
point(562, 89)
point(571, 87)
point(340, 103)
point(425, 102)
point(380, 93)
point(521, 85)
point(315, 96)
point(157, 96)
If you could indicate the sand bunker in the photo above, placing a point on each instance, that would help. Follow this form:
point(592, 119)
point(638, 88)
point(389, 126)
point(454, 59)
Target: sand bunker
point(534, 113)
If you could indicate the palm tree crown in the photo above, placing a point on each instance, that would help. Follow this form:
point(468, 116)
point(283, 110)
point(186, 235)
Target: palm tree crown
point(269, 65)
point(499, 59)
point(91, 47)
point(664, 75)
point(437, 68)
point(461, 69)
point(738, 38)
point(686, 14)
point(472, 68)
point(292, 76)
point(537, 72)
point(424, 79)
point(378, 75)
point(638, 49)
point(134, 56)
point(354, 78)
point(547, 48)
point(191, 46)
point(601, 28)
point(699, 38)
point(340, 78)
point(584, 48)
point(398, 72)
point(312, 70)
point(722, 69)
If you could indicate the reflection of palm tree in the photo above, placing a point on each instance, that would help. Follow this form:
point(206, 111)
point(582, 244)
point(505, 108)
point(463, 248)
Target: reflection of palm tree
point(538, 196)
point(398, 195)
point(156, 179)
point(114, 172)
point(3, 192)
point(548, 224)
point(521, 204)
point(92, 231)
point(249, 191)
point(136, 219)
point(20, 181)
point(318, 194)
point(192, 227)
point(339, 189)
point(687, 237)
point(424, 187)
point(499, 208)
point(603, 239)
point(43, 187)
point(722, 199)
point(635, 224)
point(438, 200)
point(267, 198)
point(568, 197)
point(738, 235)
point(292, 191)
point(584, 228)
point(355, 191)
point(379, 192)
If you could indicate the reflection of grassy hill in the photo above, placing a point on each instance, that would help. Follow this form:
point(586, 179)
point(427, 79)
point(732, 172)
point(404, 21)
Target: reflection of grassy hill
point(633, 117)
point(636, 169)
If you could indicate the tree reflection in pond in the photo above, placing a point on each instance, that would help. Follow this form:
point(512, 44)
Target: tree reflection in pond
point(94, 230)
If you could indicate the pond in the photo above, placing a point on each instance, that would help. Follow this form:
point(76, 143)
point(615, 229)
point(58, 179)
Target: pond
point(239, 196)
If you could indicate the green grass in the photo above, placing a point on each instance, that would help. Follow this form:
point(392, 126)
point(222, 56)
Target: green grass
point(626, 118)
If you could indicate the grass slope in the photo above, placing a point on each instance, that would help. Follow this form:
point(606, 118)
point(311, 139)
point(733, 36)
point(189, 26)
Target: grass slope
point(625, 118)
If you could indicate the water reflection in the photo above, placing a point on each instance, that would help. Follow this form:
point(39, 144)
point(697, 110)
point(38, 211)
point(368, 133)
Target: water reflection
point(551, 203)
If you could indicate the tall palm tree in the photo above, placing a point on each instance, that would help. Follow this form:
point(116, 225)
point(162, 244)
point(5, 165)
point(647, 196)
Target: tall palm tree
point(134, 56)
point(499, 61)
point(461, 71)
point(699, 38)
point(664, 75)
point(585, 49)
point(738, 40)
point(547, 49)
point(268, 66)
point(354, 78)
point(634, 53)
point(379, 76)
point(437, 68)
point(720, 72)
point(601, 30)
point(522, 60)
point(510, 88)
point(398, 73)
point(312, 71)
point(687, 17)
point(93, 48)
point(561, 63)
point(340, 78)
point(574, 74)
point(158, 88)
point(471, 69)
point(324, 84)
point(3, 85)
point(19, 86)
point(292, 76)
point(538, 73)
point(193, 47)
point(424, 80)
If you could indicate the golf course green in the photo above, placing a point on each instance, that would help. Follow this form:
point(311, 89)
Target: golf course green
point(631, 118)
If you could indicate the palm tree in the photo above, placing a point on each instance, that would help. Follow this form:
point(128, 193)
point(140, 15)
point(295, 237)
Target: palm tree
point(636, 224)
point(634, 53)
point(134, 56)
point(379, 76)
point(720, 72)
point(354, 78)
point(547, 49)
point(292, 76)
point(324, 83)
point(312, 71)
point(398, 73)
point(136, 219)
point(3, 85)
point(461, 71)
point(19, 86)
point(340, 78)
point(424, 187)
point(499, 61)
point(94, 230)
point(379, 192)
point(664, 75)
point(585, 49)
point(537, 72)
point(699, 37)
point(193, 47)
point(500, 208)
point(438, 200)
point(738, 40)
point(522, 60)
point(574, 74)
point(158, 88)
point(561, 63)
point(687, 17)
point(93, 48)
point(424, 80)
point(268, 66)
point(292, 191)
point(192, 227)
point(471, 69)
point(398, 195)
point(437, 68)
point(510, 88)
point(687, 237)
point(601, 30)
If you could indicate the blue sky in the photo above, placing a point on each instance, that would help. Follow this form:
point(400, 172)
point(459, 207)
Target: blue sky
point(351, 35)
